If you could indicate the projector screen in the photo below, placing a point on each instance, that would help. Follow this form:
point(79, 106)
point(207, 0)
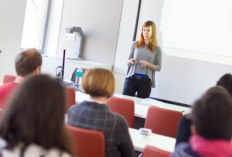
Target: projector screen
point(203, 26)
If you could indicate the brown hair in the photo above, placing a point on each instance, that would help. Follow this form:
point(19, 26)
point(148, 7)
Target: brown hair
point(153, 41)
point(211, 114)
point(98, 82)
point(35, 114)
point(27, 61)
point(226, 82)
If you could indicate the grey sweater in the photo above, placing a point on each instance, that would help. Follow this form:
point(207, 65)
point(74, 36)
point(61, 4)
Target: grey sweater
point(95, 116)
point(143, 53)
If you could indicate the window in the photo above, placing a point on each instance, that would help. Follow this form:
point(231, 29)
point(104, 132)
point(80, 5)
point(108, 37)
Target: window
point(35, 23)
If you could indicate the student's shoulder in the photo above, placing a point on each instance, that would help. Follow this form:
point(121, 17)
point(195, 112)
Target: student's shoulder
point(75, 108)
point(4, 86)
point(55, 152)
point(118, 117)
point(2, 143)
point(8, 87)
point(35, 149)
point(32, 150)
point(121, 121)
point(185, 119)
point(184, 149)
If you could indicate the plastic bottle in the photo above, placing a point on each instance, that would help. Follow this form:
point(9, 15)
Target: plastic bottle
point(79, 74)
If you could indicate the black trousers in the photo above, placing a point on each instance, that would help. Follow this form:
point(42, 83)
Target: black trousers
point(137, 84)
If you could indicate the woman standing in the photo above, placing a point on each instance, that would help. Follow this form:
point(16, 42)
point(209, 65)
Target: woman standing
point(144, 59)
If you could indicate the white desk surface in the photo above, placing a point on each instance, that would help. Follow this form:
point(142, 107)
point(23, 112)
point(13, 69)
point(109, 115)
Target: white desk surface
point(141, 105)
point(159, 141)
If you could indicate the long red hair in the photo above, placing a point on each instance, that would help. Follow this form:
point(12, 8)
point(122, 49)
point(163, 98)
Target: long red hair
point(153, 42)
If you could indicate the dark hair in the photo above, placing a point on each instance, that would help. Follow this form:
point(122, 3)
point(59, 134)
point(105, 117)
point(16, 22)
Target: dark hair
point(27, 61)
point(35, 114)
point(212, 114)
point(226, 82)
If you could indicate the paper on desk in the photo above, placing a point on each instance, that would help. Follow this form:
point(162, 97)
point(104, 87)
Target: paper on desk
point(150, 101)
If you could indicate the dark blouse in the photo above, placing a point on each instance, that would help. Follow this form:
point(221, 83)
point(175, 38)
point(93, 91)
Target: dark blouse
point(183, 132)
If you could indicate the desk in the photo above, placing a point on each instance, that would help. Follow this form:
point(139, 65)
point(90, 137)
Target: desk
point(141, 141)
point(159, 141)
point(141, 105)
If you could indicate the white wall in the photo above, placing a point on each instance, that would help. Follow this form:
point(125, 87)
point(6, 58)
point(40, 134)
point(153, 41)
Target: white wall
point(125, 35)
point(11, 27)
point(99, 21)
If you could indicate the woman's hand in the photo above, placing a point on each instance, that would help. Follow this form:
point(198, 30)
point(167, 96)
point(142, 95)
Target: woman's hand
point(132, 61)
point(143, 63)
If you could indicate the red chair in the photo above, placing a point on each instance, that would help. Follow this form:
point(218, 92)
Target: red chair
point(124, 107)
point(70, 97)
point(151, 151)
point(8, 78)
point(88, 143)
point(163, 121)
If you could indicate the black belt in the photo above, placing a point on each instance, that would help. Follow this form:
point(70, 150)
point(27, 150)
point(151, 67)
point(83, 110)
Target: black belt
point(140, 77)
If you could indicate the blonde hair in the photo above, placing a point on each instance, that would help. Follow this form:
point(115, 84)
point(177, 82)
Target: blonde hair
point(98, 82)
point(153, 42)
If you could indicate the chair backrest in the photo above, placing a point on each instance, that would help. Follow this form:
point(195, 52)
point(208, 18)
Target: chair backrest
point(124, 107)
point(151, 151)
point(70, 97)
point(163, 121)
point(87, 143)
point(8, 78)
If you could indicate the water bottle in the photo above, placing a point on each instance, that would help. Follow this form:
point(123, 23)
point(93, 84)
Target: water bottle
point(79, 74)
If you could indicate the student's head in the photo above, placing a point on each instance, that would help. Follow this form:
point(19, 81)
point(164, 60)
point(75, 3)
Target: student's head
point(35, 114)
point(98, 82)
point(148, 32)
point(226, 82)
point(27, 62)
point(212, 114)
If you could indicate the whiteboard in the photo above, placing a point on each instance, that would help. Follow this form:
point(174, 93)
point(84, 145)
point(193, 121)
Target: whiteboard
point(198, 25)
point(125, 36)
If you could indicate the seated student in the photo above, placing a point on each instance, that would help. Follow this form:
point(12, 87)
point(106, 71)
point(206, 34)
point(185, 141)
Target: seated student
point(94, 114)
point(27, 62)
point(211, 126)
point(32, 124)
point(184, 132)
point(226, 82)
